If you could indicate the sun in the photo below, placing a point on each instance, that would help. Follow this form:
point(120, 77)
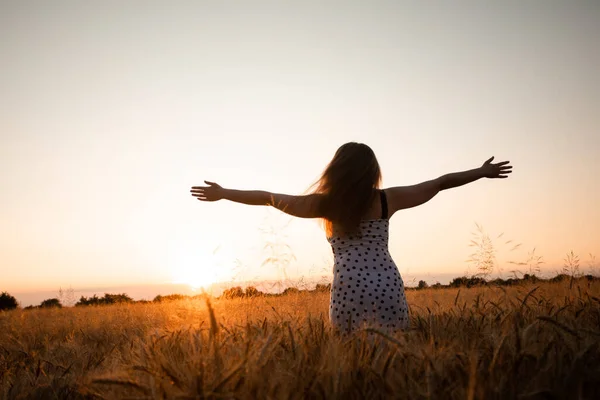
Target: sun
point(198, 269)
point(197, 276)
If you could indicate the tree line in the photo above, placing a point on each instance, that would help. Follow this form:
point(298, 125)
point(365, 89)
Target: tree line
point(8, 302)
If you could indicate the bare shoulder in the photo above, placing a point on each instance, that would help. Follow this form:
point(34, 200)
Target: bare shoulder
point(401, 197)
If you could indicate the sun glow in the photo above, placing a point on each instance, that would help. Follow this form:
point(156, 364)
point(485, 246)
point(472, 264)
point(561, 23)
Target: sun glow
point(197, 277)
point(200, 270)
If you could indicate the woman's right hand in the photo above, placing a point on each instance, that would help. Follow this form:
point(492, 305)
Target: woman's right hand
point(498, 170)
point(212, 192)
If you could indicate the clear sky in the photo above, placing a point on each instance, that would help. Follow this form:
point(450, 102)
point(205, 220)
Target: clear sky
point(110, 111)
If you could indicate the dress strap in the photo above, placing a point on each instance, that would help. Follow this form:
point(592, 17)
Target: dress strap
point(384, 206)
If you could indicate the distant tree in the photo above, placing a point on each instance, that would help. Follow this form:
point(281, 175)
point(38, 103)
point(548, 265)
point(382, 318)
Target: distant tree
point(463, 281)
point(531, 278)
point(7, 302)
point(423, 285)
point(560, 278)
point(50, 303)
point(117, 298)
point(84, 301)
point(107, 299)
point(459, 281)
point(169, 297)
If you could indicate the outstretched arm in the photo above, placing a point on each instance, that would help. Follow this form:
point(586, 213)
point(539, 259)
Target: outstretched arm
point(401, 197)
point(298, 206)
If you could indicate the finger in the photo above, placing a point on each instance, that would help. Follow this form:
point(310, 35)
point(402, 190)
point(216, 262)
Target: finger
point(489, 160)
point(210, 183)
point(199, 187)
point(502, 163)
point(201, 190)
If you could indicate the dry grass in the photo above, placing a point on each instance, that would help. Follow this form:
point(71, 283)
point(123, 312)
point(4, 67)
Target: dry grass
point(535, 342)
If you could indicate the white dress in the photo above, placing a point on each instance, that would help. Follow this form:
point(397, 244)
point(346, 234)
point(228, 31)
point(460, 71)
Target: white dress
point(367, 288)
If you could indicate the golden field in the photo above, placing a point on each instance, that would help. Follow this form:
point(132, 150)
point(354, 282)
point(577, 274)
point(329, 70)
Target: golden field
point(526, 341)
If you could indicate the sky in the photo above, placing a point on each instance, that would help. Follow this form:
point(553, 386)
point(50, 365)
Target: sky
point(110, 111)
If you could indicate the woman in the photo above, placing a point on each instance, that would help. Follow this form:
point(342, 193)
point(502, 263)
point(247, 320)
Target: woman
point(367, 288)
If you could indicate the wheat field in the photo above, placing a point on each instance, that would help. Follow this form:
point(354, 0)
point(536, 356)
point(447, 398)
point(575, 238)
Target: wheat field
point(527, 342)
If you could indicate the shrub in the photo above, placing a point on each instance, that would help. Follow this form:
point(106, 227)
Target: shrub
point(7, 302)
point(169, 297)
point(463, 281)
point(51, 303)
point(107, 299)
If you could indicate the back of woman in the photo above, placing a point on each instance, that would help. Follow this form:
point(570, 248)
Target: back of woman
point(367, 290)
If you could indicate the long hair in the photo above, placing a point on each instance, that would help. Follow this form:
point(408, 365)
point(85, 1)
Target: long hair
point(348, 187)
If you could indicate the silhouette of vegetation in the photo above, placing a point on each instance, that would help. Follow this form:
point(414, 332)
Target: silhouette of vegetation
point(51, 303)
point(463, 281)
point(106, 300)
point(7, 302)
point(169, 297)
point(237, 292)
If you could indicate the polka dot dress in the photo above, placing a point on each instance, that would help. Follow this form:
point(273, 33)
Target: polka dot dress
point(367, 288)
